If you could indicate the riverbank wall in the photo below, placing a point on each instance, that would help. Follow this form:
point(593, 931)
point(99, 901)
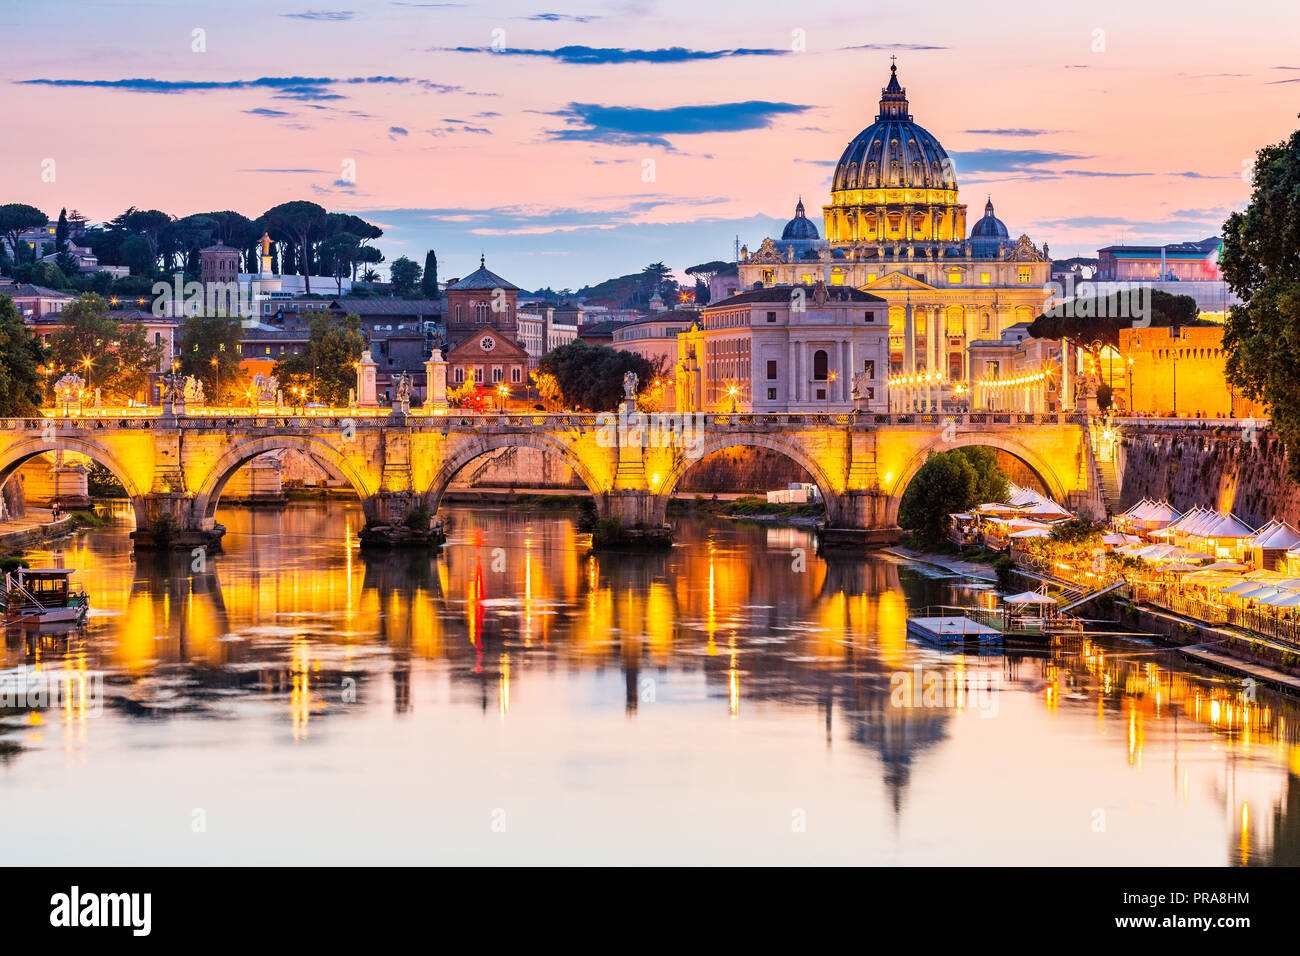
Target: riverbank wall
point(1236, 468)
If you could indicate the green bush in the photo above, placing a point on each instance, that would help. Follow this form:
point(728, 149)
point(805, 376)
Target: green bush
point(418, 519)
point(1005, 567)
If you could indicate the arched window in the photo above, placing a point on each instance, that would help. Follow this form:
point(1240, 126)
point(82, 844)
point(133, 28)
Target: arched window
point(820, 363)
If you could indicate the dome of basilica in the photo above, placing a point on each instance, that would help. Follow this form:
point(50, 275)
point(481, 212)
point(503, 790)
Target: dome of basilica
point(894, 152)
point(990, 227)
point(800, 227)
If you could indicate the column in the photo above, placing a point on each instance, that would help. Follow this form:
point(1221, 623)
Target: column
point(846, 372)
point(909, 340)
point(789, 376)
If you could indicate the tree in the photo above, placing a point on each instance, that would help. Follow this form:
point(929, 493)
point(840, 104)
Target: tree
point(61, 232)
point(120, 355)
point(15, 219)
point(1261, 263)
point(204, 338)
point(135, 254)
point(302, 223)
point(326, 369)
point(703, 274)
point(429, 283)
point(152, 226)
point(22, 386)
point(591, 376)
point(337, 256)
point(405, 276)
point(949, 482)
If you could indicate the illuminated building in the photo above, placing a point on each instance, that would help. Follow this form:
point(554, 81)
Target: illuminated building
point(895, 228)
point(1180, 372)
point(794, 348)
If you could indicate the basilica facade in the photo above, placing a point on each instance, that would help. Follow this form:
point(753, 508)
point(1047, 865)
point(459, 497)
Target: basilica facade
point(895, 228)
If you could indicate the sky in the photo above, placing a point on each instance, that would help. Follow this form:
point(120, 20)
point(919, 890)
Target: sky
point(572, 144)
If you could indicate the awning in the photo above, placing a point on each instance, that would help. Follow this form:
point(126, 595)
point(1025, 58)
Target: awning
point(1028, 597)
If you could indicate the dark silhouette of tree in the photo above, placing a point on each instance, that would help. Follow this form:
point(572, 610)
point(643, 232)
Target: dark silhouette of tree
point(1261, 262)
point(429, 282)
point(301, 223)
point(22, 386)
point(15, 219)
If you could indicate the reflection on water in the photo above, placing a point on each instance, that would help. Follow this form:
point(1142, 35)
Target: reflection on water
point(736, 700)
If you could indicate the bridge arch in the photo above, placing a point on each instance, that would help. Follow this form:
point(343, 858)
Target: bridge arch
point(21, 452)
point(1032, 460)
point(466, 453)
point(210, 488)
point(790, 449)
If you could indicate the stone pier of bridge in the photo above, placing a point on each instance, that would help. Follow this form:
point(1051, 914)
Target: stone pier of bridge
point(175, 466)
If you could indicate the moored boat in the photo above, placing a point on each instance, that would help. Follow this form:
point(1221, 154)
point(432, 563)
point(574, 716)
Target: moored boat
point(41, 596)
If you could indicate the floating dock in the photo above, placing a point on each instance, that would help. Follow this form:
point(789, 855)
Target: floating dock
point(951, 631)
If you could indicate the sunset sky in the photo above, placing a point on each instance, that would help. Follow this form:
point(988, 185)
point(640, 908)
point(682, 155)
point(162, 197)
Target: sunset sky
point(1089, 124)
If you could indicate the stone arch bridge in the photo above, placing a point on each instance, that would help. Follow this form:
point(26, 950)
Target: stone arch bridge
point(174, 467)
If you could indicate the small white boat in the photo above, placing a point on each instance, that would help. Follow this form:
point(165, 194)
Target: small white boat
point(40, 596)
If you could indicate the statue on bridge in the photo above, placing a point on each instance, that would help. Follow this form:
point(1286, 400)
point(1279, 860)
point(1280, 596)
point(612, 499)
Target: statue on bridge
point(69, 389)
point(630, 381)
point(264, 389)
point(860, 380)
point(404, 388)
point(192, 391)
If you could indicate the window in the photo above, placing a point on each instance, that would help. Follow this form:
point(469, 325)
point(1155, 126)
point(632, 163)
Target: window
point(871, 393)
point(820, 364)
point(771, 370)
point(869, 367)
point(954, 277)
point(514, 375)
point(837, 278)
point(821, 393)
point(984, 323)
point(771, 395)
point(496, 373)
point(868, 316)
point(984, 278)
point(459, 374)
point(1022, 274)
point(771, 316)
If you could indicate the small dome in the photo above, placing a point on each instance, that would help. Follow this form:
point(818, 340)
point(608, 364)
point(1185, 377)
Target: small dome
point(990, 227)
point(800, 227)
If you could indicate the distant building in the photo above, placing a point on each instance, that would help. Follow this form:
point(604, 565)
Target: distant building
point(483, 331)
point(600, 333)
point(654, 337)
point(35, 301)
point(402, 334)
point(1179, 268)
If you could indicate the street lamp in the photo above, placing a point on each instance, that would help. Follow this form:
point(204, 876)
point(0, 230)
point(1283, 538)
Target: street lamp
point(88, 366)
point(216, 385)
point(830, 381)
point(731, 392)
point(503, 392)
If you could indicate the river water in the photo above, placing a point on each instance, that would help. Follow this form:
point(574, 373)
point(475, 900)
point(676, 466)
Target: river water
point(738, 700)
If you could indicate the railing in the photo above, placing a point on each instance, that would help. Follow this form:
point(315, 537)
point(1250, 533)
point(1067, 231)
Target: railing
point(225, 417)
point(1264, 623)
